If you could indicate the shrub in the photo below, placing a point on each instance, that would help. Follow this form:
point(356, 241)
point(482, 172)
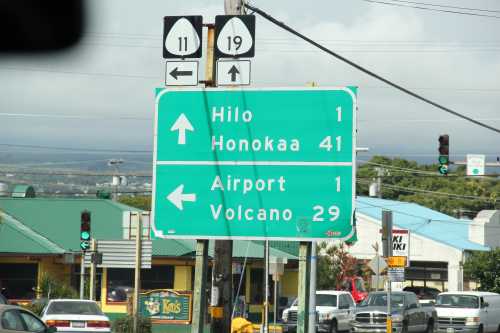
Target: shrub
point(126, 325)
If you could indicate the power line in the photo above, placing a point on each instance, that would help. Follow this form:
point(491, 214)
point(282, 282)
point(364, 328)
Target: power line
point(417, 191)
point(448, 6)
point(431, 9)
point(73, 173)
point(79, 73)
point(366, 71)
point(78, 149)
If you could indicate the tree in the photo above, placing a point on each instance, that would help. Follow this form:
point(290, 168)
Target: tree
point(400, 184)
point(334, 264)
point(141, 202)
point(484, 268)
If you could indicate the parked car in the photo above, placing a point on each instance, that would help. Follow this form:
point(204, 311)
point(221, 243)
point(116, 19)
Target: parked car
point(334, 309)
point(468, 311)
point(406, 312)
point(356, 286)
point(71, 315)
point(14, 319)
point(423, 293)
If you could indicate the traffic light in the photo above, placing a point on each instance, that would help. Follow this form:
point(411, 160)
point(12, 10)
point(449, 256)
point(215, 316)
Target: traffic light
point(85, 230)
point(444, 153)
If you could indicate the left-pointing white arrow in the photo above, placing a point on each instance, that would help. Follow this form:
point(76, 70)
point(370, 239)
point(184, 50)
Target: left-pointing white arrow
point(177, 197)
point(182, 125)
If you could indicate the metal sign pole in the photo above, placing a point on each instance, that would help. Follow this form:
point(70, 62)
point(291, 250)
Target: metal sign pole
point(93, 268)
point(200, 281)
point(82, 276)
point(304, 279)
point(137, 277)
point(387, 233)
point(266, 287)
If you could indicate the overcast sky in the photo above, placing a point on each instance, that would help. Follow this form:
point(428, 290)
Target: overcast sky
point(100, 93)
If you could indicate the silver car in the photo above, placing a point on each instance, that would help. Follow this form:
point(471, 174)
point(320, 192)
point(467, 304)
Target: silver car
point(14, 319)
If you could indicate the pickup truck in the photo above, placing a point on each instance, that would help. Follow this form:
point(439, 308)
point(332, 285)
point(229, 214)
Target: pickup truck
point(334, 311)
point(406, 312)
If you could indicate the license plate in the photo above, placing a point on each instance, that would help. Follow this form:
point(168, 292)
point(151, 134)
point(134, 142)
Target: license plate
point(81, 324)
point(450, 330)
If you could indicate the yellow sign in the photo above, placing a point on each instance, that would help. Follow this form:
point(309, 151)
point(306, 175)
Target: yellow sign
point(394, 262)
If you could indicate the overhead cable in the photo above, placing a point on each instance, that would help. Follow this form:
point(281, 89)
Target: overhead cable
point(431, 9)
point(366, 71)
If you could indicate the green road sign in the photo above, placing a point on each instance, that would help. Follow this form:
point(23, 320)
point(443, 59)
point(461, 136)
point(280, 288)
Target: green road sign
point(254, 164)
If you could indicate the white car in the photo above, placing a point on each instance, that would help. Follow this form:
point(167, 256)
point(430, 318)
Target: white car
point(334, 309)
point(75, 315)
point(468, 312)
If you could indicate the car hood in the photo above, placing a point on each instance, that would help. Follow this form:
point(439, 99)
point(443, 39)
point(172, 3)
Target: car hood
point(381, 309)
point(456, 312)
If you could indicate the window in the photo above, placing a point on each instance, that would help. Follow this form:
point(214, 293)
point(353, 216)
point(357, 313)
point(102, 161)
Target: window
point(73, 307)
point(121, 281)
point(326, 300)
point(18, 280)
point(343, 302)
point(350, 301)
point(12, 321)
point(33, 324)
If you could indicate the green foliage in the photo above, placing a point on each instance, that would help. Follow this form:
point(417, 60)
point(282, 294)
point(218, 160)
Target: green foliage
point(484, 268)
point(51, 287)
point(404, 181)
point(36, 308)
point(141, 202)
point(126, 325)
point(334, 264)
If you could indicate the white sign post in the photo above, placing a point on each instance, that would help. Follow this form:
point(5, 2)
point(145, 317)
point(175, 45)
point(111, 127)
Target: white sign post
point(475, 165)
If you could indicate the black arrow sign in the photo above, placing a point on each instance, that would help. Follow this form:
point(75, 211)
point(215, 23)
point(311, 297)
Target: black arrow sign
point(176, 72)
point(233, 71)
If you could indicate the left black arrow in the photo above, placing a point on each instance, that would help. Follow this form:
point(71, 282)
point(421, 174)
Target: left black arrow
point(176, 73)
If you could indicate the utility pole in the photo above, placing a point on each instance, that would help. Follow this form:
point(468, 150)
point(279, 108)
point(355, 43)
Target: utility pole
point(223, 249)
point(380, 174)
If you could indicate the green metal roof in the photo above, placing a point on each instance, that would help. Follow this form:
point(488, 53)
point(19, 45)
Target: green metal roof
point(57, 221)
point(15, 237)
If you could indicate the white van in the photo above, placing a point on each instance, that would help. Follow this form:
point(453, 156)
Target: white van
point(468, 312)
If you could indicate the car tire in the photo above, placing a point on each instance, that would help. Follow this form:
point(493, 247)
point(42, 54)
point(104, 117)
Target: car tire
point(333, 327)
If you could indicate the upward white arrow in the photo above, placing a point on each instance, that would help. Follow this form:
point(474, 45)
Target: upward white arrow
point(177, 197)
point(182, 125)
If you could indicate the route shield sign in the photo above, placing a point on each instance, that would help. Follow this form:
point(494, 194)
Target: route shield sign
point(254, 164)
point(182, 36)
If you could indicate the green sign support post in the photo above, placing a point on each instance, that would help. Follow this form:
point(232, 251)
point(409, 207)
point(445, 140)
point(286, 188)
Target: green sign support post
point(272, 164)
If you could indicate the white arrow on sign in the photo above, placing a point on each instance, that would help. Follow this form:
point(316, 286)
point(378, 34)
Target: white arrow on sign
point(182, 125)
point(177, 197)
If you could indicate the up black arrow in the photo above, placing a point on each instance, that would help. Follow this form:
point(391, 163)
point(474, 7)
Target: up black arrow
point(233, 71)
point(176, 73)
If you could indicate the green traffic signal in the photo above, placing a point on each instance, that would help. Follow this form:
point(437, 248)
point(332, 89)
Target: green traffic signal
point(443, 169)
point(85, 245)
point(443, 159)
point(84, 235)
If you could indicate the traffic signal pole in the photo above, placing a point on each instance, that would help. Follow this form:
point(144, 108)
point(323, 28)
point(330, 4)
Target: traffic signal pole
point(93, 269)
point(82, 275)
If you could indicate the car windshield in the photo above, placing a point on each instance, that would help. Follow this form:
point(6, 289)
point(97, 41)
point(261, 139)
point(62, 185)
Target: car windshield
point(397, 301)
point(73, 307)
point(360, 286)
point(457, 301)
point(326, 300)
